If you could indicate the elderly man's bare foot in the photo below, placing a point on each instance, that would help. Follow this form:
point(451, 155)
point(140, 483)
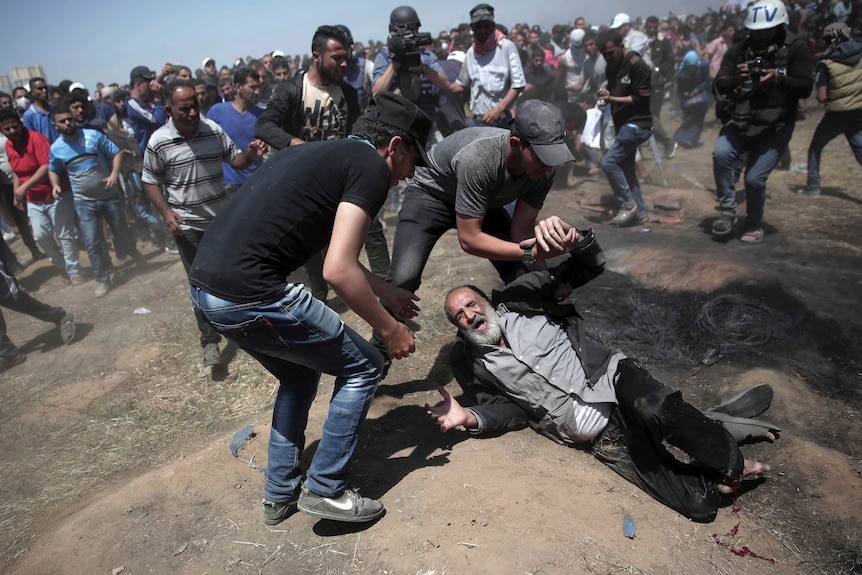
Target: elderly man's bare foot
point(750, 469)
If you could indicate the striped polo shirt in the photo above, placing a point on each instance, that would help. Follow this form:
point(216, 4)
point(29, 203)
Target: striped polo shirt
point(190, 171)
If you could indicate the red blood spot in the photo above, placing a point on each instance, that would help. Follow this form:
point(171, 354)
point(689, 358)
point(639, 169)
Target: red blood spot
point(739, 552)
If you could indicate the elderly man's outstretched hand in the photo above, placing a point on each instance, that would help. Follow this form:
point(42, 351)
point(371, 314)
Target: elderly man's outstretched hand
point(448, 414)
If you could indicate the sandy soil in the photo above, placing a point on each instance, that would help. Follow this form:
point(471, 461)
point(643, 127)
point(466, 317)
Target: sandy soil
point(117, 458)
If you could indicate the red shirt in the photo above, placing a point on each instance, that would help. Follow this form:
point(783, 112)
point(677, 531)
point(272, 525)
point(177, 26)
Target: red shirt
point(27, 159)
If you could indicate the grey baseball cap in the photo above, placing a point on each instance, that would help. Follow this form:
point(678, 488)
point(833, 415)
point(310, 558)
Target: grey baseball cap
point(541, 125)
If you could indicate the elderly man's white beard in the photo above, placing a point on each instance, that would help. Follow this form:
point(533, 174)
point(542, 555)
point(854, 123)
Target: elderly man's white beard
point(493, 330)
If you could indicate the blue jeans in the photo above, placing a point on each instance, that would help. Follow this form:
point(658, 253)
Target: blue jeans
point(763, 153)
point(90, 216)
point(619, 166)
point(831, 126)
point(52, 221)
point(296, 338)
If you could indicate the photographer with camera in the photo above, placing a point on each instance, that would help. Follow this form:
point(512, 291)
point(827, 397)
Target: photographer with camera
point(763, 78)
point(405, 66)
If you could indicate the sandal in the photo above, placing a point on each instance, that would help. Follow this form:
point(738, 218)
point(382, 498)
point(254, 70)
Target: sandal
point(723, 224)
point(754, 236)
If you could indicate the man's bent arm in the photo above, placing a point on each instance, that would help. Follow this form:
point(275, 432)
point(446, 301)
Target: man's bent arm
point(341, 270)
point(37, 178)
point(478, 243)
point(269, 126)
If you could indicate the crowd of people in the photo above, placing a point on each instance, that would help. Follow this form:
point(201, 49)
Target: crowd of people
point(251, 171)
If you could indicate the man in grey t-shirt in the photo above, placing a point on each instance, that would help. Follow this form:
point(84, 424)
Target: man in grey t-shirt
point(471, 176)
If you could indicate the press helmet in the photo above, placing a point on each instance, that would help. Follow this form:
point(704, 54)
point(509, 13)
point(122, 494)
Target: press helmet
point(346, 31)
point(403, 16)
point(766, 14)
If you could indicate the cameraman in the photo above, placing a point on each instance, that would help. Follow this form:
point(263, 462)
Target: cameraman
point(763, 77)
point(407, 67)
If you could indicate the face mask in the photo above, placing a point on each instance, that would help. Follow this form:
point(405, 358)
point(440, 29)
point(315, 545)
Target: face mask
point(22, 103)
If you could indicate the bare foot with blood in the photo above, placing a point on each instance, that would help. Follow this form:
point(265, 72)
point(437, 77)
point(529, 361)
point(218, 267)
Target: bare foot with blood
point(750, 469)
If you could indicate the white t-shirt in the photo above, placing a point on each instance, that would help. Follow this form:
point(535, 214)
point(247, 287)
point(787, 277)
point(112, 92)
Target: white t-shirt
point(325, 112)
point(491, 75)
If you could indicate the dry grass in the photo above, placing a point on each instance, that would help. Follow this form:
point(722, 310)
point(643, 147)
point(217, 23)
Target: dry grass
point(147, 421)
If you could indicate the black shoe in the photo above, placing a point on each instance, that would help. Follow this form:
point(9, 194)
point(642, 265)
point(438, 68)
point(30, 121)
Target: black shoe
point(212, 355)
point(349, 506)
point(670, 150)
point(12, 361)
point(67, 328)
point(723, 224)
point(275, 513)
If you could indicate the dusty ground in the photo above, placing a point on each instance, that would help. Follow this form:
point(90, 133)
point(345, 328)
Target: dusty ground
point(117, 458)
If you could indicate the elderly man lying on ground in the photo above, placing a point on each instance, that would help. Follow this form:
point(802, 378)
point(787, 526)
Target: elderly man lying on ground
point(526, 358)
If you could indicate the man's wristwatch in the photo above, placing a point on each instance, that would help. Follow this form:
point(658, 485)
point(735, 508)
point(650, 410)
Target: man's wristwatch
point(528, 258)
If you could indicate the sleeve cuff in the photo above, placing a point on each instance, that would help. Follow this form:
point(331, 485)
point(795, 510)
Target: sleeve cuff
point(481, 422)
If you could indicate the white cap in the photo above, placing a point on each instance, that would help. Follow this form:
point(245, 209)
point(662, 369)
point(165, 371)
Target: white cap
point(204, 63)
point(576, 38)
point(457, 55)
point(76, 86)
point(276, 53)
point(620, 19)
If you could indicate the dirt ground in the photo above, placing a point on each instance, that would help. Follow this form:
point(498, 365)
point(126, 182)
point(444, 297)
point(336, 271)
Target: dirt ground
point(117, 458)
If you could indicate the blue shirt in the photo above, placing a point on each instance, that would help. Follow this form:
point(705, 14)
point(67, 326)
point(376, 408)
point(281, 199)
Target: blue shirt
point(87, 159)
point(240, 128)
point(39, 121)
point(144, 119)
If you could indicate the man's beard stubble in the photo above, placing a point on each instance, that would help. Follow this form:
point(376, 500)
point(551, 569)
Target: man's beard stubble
point(493, 330)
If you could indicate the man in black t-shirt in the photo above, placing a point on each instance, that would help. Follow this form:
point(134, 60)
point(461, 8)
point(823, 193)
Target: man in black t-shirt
point(628, 93)
point(305, 199)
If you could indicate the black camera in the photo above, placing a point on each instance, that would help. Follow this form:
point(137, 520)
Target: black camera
point(759, 63)
point(756, 67)
point(405, 47)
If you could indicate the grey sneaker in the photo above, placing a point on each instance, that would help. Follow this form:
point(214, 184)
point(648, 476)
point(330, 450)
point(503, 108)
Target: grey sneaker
point(102, 288)
point(212, 355)
point(810, 192)
point(275, 513)
point(349, 506)
point(748, 402)
point(624, 216)
point(67, 328)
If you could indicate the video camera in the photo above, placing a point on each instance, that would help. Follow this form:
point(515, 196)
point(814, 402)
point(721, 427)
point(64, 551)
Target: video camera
point(756, 67)
point(405, 47)
point(757, 64)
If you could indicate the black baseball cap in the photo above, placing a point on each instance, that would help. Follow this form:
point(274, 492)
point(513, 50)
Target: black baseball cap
point(541, 125)
point(401, 113)
point(141, 72)
point(482, 13)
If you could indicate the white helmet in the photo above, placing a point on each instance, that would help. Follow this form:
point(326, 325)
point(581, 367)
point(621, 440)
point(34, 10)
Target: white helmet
point(576, 38)
point(766, 14)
